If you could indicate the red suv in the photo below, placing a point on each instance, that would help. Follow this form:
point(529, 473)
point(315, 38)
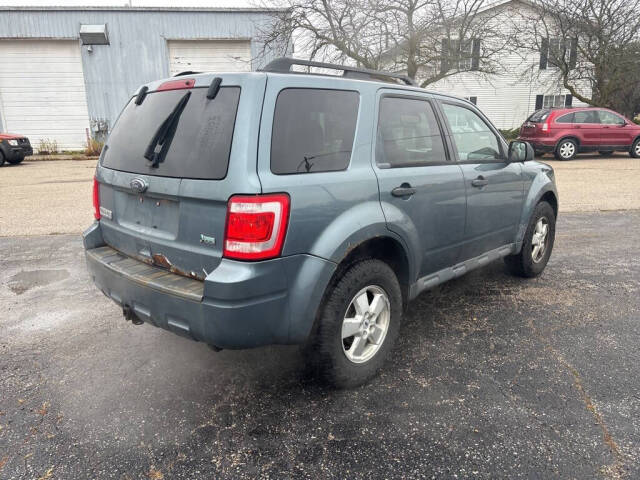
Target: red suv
point(569, 131)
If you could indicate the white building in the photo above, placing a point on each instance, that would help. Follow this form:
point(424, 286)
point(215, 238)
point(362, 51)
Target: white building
point(527, 80)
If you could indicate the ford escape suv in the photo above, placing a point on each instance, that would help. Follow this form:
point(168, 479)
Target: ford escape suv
point(277, 207)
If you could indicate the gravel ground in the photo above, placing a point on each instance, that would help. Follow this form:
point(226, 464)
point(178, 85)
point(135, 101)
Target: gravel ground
point(40, 198)
point(492, 377)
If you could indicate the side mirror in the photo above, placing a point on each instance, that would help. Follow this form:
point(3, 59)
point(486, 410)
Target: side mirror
point(520, 151)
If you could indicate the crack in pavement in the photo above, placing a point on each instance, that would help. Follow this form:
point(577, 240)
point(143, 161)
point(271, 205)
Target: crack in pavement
point(615, 471)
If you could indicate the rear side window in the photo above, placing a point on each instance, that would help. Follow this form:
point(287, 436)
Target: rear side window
point(313, 130)
point(586, 116)
point(568, 118)
point(539, 116)
point(199, 147)
point(408, 134)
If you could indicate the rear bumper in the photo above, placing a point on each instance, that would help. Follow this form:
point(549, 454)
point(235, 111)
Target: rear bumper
point(540, 145)
point(238, 305)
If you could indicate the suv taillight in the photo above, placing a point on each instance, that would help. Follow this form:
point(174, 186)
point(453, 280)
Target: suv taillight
point(256, 226)
point(545, 125)
point(96, 199)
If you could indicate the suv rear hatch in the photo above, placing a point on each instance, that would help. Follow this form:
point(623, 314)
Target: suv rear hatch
point(171, 163)
point(533, 125)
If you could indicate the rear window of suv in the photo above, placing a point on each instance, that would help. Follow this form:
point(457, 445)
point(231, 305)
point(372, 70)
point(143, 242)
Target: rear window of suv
point(200, 146)
point(539, 116)
point(313, 130)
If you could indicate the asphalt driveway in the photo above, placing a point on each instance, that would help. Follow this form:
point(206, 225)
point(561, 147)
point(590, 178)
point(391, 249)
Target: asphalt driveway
point(493, 377)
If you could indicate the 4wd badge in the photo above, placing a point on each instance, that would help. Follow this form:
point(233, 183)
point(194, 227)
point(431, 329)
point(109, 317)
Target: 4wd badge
point(207, 240)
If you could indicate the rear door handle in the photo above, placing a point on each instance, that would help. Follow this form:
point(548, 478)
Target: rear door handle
point(404, 190)
point(479, 182)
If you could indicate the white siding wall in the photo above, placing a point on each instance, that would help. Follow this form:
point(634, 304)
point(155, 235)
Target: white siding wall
point(509, 97)
point(42, 92)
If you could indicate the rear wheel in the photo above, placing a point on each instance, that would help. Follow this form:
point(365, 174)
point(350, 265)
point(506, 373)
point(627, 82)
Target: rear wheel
point(357, 326)
point(566, 149)
point(537, 243)
point(635, 149)
point(16, 161)
point(605, 153)
point(1, 158)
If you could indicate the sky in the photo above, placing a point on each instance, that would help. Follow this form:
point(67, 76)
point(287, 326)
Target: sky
point(137, 3)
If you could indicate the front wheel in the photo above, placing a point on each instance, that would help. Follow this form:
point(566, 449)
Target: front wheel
point(16, 160)
point(537, 243)
point(357, 324)
point(635, 149)
point(1, 158)
point(566, 149)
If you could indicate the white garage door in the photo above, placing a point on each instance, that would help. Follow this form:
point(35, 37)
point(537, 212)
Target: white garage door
point(209, 56)
point(42, 91)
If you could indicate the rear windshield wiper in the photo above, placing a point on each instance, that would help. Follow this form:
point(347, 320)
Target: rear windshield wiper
point(159, 145)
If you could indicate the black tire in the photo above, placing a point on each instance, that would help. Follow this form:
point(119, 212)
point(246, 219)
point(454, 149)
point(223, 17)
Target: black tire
point(605, 153)
point(567, 145)
point(325, 350)
point(1, 158)
point(16, 161)
point(523, 264)
point(635, 149)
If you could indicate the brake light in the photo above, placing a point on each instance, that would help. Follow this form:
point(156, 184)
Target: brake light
point(183, 83)
point(96, 199)
point(256, 226)
point(545, 126)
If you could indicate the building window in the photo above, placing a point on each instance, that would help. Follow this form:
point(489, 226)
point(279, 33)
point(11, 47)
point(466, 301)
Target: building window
point(551, 101)
point(556, 52)
point(473, 100)
point(460, 55)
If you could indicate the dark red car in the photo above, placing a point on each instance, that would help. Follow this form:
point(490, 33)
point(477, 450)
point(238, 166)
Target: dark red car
point(13, 148)
point(569, 131)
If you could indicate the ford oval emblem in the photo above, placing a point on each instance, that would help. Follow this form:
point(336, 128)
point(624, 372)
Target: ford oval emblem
point(138, 185)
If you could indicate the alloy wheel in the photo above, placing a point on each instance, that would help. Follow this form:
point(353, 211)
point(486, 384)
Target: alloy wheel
point(567, 150)
point(365, 324)
point(539, 240)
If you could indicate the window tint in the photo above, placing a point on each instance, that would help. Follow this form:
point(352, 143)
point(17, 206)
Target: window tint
point(609, 118)
point(568, 118)
point(200, 146)
point(586, 116)
point(473, 137)
point(408, 133)
point(313, 130)
point(539, 116)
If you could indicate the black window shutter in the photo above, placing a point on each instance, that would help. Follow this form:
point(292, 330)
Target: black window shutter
point(544, 53)
point(444, 64)
point(539, 100)
point(475, 58)
point(473, 100)
point(568, 99)
point(573, 53)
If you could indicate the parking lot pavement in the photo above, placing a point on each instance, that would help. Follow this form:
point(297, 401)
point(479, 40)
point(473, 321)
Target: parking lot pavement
point(492, 377)
point(46, 197)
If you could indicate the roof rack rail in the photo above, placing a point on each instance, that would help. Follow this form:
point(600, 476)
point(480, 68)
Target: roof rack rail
point(188, 72)
point(284, 64)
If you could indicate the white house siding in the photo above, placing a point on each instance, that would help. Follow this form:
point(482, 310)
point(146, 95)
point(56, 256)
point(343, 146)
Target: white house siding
point(509, 97)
